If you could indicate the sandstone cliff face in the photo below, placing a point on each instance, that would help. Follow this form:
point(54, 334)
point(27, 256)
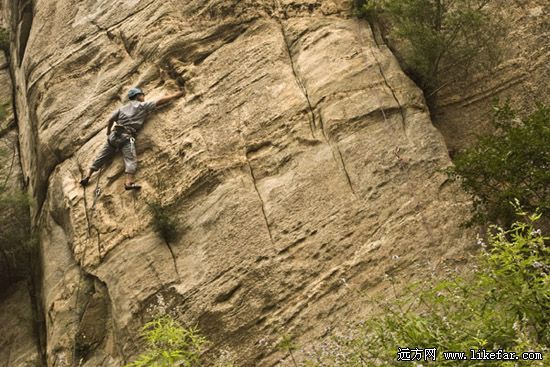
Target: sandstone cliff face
point(302, 156)
point(18, 342)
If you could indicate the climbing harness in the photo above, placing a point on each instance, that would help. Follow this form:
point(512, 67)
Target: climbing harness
point(119, 129)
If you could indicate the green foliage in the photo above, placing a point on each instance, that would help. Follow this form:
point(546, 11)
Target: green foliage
point(502, 304)
point(163, 223)
point(360, 7)
point(4, 40)
point(169, 344)
point(518, 263)
point(370, 10)
point(439, 37)
point(513, 164)
point(287, 344)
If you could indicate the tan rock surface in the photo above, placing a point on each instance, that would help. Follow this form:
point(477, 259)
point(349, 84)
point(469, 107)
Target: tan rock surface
point(301, 157)
point(17, 339)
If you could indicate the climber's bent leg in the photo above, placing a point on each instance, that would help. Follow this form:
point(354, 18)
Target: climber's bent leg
point(107, 151)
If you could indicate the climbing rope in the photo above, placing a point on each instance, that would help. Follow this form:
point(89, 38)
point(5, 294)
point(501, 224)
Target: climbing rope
point(97, 190)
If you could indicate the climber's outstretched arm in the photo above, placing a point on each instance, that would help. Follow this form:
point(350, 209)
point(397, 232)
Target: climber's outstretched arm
point(167, 99)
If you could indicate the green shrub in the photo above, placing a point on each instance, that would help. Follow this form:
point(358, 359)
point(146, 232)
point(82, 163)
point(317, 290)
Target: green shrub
point(438, 37)
point(513, 164)
point(360, 7)
point(163, 222)
point(169, 344)
point(502, 304)
point(288, 345)
point(370, 10)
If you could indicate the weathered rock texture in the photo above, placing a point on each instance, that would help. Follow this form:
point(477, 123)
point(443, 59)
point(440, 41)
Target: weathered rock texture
point(18, 346)
point(302, 156)
point(465, 109)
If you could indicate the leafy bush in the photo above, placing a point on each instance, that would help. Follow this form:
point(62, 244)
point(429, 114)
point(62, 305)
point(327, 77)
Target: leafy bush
point(169, 344)
point(513, 164)
point(502, 304)
point(163, 223)
point(438, 37)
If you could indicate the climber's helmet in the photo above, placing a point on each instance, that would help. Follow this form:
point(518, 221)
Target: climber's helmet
point(134, 92)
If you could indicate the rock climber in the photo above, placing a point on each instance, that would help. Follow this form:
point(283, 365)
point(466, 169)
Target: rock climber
point(126, 121)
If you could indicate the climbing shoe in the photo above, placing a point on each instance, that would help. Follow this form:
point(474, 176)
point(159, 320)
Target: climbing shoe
point(132, 186)
point(84, 182)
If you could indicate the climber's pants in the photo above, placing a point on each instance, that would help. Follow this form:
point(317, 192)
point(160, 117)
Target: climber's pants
point(124, 143)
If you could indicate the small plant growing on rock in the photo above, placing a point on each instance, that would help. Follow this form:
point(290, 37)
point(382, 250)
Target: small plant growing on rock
point(288, 345)
point(169, 344)
point(163, 223)
point(512, 164)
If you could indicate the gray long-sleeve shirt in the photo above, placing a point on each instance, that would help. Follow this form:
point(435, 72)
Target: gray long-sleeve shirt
point(133, 114)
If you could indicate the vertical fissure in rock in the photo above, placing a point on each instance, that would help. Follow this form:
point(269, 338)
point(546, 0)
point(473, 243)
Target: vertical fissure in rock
point(174, 260)
point(312, 124)
point(401, 110)
point(21, 13)
point(337, 155)
point(14, 110)
point(381, 70)
point(39, 320)
point(260, 197)
point(25, 25)
point(35, 278)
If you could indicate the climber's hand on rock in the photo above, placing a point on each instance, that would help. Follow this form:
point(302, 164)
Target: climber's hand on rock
point(169, 98)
